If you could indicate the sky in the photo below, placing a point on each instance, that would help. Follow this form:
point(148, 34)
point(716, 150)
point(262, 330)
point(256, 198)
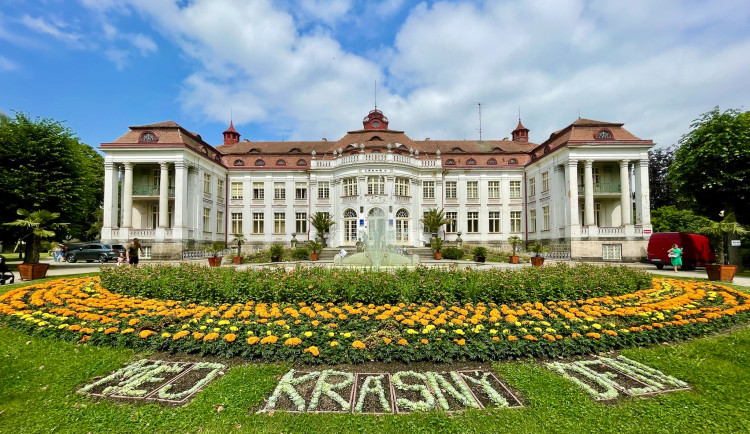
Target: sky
point(308, 69)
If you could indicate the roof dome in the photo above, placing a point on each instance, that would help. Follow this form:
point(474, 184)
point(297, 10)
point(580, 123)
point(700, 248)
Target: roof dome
point(375, 120)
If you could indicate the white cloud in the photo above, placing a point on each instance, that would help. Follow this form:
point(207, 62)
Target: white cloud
point(54, 29)
point(143, 43)
point(653, 65)
point(7, 64)
point(119, 57)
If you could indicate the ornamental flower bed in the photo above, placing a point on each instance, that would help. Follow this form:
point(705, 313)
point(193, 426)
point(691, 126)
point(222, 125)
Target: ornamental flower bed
point(81, 310)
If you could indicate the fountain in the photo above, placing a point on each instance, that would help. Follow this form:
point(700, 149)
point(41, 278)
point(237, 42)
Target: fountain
point(379, 246)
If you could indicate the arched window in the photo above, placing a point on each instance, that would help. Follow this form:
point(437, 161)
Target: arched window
point(204, 151)
point(492, 162)
point(239, 162)
point(281, 162)
point(512, 161)
point(350, 226)
point(402, 225)
point(471, 162)
point(148, 137)
point(260, 162)
point(301, 162)
point(604, 135)
point(450, 162)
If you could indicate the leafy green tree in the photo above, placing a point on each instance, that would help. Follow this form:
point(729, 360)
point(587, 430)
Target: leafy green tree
point(671, 219)
point(660, 189)
point(711, 169)
point(44, 166)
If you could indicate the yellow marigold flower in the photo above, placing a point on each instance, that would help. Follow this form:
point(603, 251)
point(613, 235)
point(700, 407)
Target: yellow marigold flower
point(331, 334)
point(308, 334)
point(334, 343)
point(126, 331)
point(312, 350)
point(166, 335)
point(411, 331)
point(233, 328)
point(253, 340)
point(359, 345)
point(292, 342)
point(223, 322)
point(146, 333)
point(230, 337)
point(458, 331)
point(596, 326)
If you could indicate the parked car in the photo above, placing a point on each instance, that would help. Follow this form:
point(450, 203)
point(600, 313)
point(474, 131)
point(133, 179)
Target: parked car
point(93, 252)
point(696, 250)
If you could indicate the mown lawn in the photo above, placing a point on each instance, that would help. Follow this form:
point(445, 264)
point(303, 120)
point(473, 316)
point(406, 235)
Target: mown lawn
point(39, 377)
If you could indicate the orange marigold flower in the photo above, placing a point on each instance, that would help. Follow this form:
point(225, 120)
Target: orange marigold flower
point(512, 338)
point(110, 330)
point(292, 342)
point(230, 337)
point(126, 331)
point(74, 327)
point(133, 321)
point(530, 338)
point(593, 335)
point(402, 341)
point(575, 335)
point(252, 340)
point(312, 350)
point(211, 337)
point(424, 341)
point(460, 341)
point(146, 333)
point(495, 338)
point(387, 341)
point(198, 335)
point(85, 338)
point(269, 339)
point(180, 335)
point(359, 345)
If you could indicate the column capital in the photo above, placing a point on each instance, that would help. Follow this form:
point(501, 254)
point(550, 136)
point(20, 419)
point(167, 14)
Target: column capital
point(109, 165)
point(571, 163)
point(181, 164)
point(164, 164)
point(588, 163)
point(128, 166)
point(643, 163)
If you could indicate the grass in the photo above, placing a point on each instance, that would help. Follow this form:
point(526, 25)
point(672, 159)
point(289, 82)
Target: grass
point(40, 376)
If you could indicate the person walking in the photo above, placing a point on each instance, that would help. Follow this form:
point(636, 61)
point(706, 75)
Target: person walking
point(134, 249)
point(57, 252)
point(675, 254)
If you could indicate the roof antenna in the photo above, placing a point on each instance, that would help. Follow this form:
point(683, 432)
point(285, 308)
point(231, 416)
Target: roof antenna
point(231, 116)
point(376, 94)
point(479, 107)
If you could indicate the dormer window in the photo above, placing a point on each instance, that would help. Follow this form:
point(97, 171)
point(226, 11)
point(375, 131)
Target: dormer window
point(604, 135)
point(450, 162)
point(512, 161)
point(295, 150)
point(471, 162)
point(239, 162)
point(148, 137)
point(492, 162)
point(301, 162)
point(260, 162)
point(281, 162)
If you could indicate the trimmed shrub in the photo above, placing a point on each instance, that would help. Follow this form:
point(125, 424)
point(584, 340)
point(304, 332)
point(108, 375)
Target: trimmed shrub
point(301, 254)
point(453, 253)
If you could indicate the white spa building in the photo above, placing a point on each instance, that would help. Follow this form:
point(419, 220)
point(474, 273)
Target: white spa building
point(583, 192)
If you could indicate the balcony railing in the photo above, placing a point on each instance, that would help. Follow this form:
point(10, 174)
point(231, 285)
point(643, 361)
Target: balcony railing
point(602, 188)
point(149, 190)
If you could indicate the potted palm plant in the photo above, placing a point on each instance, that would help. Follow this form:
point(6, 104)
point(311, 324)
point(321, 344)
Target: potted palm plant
point(515, 242)
point(437, 244)
point(239, 239)
point(480, 253)
point(41, 224)
point(433, 220)
point(720, 233)
point(538, 248)
point(322, 223)
point(276, 251)
point(214, 254)
point(315, 249)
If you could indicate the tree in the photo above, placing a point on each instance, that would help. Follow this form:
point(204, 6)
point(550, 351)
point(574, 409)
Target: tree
point(711, 169)
point(671, 219)
point(44, 166)
point(322, 223)
point(720, 232)
point(435, 218)
point(41, 225)
point(660, 189)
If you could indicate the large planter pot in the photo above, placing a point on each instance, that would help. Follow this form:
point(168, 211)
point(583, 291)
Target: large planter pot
point(215, 262)
point(313, 256)
point(32, 271)
point(275, 258)
point(438, 255)
point(236, 259)
point(537, 261)
point(724, 273)
point(513, 259)
point(479, 259)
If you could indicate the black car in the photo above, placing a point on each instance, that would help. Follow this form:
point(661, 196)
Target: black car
point(93, 252)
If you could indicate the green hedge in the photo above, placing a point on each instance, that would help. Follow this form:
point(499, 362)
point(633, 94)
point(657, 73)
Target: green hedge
point(199, 283)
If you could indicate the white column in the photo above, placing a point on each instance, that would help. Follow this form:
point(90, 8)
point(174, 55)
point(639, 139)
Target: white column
point(127, 199)
point(571, 175)
point(163, 195)
point(627, 209)
point(588, 193)
point(180, 193)
point(121, 172)
point(199, 203)
point(642, 200)
point(110, 195)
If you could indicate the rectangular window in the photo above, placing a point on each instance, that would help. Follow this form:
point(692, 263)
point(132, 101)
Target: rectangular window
point(236, 223)
point(324, 190)
point(545, 218)
point(220, 187)
point(495, 222)
point(279, 223)
point(300, 225)
point(375, 185)
point(279, 191)
point(472, 190)
point(545, 182)
point(532, 220)
point(402, 186)
point(532, 186)
point(207, 183)
point(451, 190)
point(612, 252)
point(300, 191)
point(472, 221)
point(453, 217)
point(207, 219)
point(259, 192)
point(350, 186)
point(515, 189)
point(258, 226)
point(428, 189)
point(219, 222)
point(493, 189)
point(237, 190)
point(515, 221)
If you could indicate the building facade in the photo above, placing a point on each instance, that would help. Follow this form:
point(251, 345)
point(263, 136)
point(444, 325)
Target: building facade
point(583, 191)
